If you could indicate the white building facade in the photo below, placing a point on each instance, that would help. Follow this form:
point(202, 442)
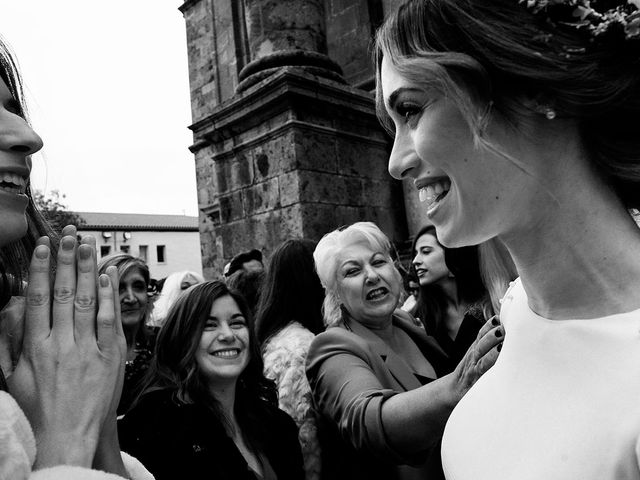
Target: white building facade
point(167, 243)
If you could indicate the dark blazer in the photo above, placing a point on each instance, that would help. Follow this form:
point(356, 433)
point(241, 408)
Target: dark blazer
point(352, 372)
point(186, 441)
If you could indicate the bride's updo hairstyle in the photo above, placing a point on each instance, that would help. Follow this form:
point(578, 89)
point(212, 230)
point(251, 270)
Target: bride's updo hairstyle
point(514, 59)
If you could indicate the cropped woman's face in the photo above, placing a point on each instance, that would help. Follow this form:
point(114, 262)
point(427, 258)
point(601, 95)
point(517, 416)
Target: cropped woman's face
point(133, 297)
point(368, 284)
point(223, 352)
point(17, 142)
point(470, 193)
point(428, 261)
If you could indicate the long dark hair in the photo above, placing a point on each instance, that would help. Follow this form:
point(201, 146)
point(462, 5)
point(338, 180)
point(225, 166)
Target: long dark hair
point(463, 263)
point(16, 256)
point(291, 292)
point(174, 366)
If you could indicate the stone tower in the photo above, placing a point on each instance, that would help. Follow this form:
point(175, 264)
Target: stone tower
point(286, 140)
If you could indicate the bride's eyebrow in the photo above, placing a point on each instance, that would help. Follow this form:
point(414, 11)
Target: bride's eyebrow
point(393, 98)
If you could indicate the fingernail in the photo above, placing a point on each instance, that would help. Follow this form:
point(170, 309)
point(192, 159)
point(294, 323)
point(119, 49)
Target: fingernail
point(68, 243)
point(41, 252)
point(498, 333)
point(104, 280)
point(495, 321)
point(499, 347)
point(85, 252)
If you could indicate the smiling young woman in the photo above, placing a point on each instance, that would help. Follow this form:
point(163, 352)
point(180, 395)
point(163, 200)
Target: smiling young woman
point(529, 110)
point(453, 302)
point(205, 408)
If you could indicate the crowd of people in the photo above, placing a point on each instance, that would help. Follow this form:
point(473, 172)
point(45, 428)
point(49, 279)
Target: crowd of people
point(506, 347)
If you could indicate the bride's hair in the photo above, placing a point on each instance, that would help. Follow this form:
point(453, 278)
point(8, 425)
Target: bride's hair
point(500, 58)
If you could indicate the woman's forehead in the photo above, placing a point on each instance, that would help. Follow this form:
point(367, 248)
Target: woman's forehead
point(357, 248)
point(390, 80)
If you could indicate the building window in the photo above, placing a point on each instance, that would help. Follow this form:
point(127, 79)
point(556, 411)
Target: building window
point(105, 250)
point(160, 253)
point(124, 248)
point(142, 252)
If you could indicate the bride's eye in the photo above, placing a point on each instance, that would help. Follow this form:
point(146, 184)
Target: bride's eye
point(409, 111)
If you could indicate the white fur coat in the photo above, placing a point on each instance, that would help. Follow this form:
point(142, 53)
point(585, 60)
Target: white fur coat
point(18, 452)
point(284, 361)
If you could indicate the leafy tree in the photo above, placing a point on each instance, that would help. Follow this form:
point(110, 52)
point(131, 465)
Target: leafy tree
point(55, 211)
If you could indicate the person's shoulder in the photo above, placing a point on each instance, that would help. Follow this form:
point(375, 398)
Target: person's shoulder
point(151, 407)
point(338, 337)
point(292, 337)
point(334, 341)
point(280, 421)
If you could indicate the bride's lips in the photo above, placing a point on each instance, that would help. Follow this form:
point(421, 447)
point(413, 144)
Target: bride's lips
point(432, 191)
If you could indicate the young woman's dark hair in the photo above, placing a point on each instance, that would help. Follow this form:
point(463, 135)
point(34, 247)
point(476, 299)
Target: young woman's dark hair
point(463, 263)
point(174, 365)
point(291, 291)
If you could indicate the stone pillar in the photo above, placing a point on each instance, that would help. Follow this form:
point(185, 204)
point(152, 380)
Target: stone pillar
point(296, 152)
point(285, 25)
point(286, 33)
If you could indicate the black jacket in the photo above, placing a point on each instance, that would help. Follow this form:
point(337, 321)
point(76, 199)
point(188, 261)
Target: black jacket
point(188, 442)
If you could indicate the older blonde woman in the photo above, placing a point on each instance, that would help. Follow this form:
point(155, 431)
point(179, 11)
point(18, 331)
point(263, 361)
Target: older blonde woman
point(379, 381)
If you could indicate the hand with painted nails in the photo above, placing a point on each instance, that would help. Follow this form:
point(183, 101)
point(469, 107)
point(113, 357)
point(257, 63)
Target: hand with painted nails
point(70, 367)
point(480, 356)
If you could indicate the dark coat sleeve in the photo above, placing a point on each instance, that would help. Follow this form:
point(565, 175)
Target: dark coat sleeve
point(283, 450)
point(349, 392)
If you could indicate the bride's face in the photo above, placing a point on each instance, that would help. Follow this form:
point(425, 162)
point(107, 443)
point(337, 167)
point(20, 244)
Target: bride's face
point(17, 142)
point(470, 193)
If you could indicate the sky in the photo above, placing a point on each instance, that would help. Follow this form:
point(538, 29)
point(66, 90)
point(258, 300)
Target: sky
point(108, 91)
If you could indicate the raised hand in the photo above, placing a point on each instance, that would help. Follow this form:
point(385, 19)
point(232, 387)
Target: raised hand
point(71, 363)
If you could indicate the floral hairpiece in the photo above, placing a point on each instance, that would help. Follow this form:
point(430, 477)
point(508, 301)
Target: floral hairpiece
point(593, 16)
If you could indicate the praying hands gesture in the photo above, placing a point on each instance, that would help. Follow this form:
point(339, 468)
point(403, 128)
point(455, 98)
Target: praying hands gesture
point(69, 372)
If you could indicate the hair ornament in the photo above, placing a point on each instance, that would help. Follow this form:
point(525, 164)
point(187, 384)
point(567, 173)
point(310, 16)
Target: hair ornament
point(599, 18)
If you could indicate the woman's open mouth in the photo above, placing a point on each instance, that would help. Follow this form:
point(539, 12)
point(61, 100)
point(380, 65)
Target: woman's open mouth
point(434, 192)
point(226, 353)
point(12, 183)
point(377, 293)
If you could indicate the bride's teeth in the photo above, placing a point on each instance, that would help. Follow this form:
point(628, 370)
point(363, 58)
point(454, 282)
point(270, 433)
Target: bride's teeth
point(431, 190)
point(427, 194)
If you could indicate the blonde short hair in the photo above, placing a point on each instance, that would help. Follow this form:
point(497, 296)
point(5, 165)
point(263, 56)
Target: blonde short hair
point(327, 253)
